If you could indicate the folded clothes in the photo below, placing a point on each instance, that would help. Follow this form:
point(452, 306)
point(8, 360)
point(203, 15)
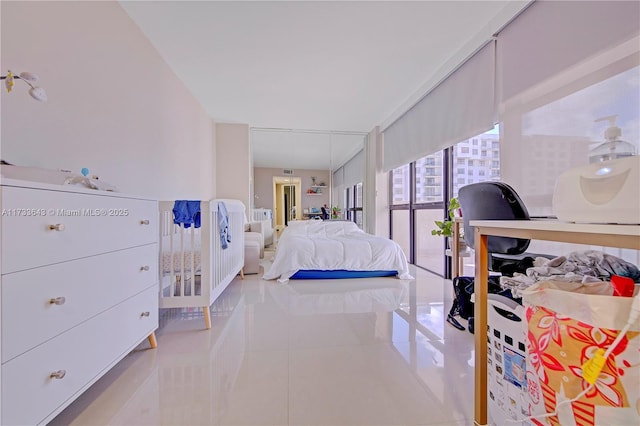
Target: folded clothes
point(587, 266)
point(604, 265)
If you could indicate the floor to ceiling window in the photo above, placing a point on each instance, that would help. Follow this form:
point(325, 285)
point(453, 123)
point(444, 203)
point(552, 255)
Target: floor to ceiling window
point(427, 207)
point(559, 129)
point(555, 131)
point(399, 189)
point(357, 210)
point(353, 201)
point(420, 192)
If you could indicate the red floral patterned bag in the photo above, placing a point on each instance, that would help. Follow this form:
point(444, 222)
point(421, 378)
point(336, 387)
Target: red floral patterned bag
point(565, 330)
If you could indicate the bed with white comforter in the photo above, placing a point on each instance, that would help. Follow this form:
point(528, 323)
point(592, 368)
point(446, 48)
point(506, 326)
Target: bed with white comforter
point(334, 245)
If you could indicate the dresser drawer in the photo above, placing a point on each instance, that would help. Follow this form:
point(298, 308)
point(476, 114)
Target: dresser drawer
point(84, 353)
point(84, 225)
point(88, 286)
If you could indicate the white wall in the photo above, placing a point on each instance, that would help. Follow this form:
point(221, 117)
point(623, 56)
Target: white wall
point(233, 162)
point(376, 184)
point(381, 189)
point(114, 104)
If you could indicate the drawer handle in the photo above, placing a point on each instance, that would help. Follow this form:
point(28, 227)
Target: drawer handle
point(144, 222)
point(58, 374)
point(145, 314)
point(57, 301)
point(57, 227)
point(144, 268)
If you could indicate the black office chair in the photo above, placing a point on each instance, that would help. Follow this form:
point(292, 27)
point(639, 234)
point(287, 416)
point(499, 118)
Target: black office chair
point(491, 201)
point(325, 213)
point(497, 201)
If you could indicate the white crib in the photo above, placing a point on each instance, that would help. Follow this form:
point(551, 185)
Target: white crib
point(194, 269)
point(261, 214)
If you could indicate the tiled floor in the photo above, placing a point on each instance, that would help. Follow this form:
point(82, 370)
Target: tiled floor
point(341, 352)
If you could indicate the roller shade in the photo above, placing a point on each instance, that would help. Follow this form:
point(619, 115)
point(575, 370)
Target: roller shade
point(354, 169)
point(337, 186)
point(551, 36)
point(338, 177)
point(461, 106)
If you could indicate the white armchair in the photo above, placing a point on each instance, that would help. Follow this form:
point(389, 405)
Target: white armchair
point(253, 250)
point(265, 228)
point(255, 237)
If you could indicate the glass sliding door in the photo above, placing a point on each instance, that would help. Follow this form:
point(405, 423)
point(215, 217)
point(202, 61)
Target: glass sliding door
point(429, 248)
point(427, 206)
point(400, 218)
point(400, 230)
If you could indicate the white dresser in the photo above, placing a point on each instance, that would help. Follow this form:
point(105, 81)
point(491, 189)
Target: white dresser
point(79, 291)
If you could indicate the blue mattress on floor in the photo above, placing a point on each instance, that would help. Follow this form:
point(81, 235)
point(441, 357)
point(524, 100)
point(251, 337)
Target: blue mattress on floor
point(318, 274)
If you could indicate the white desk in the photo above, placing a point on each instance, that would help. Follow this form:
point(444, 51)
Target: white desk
point(623, 236)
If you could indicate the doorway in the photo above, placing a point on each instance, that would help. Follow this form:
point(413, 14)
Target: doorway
point(288, 201)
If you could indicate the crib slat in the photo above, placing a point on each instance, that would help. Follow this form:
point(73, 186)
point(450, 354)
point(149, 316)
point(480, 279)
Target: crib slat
point(192, 252)
point(172, 288)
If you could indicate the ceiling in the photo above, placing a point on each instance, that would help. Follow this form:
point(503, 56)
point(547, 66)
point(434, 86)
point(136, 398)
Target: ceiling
point(329, 66)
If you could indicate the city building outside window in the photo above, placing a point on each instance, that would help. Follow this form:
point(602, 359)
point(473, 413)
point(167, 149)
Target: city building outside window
point(401, 183)
point(477, 168)
point(428, 177)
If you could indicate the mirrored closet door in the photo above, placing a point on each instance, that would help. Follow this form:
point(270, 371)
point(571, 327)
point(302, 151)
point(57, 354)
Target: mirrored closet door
point(299, 174)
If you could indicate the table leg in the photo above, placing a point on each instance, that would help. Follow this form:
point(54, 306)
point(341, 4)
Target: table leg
point(480, 327)
point(455, 251)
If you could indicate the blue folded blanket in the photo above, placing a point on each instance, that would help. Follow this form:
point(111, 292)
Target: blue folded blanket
point(186, 212)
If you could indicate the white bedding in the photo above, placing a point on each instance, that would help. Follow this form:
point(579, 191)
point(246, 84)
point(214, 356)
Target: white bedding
point(318, 245)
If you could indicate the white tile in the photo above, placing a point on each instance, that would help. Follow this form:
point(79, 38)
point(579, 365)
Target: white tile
point(330, 352)
point(114, 396)
point(446, 370)
point(259, 393)
point(366, 385)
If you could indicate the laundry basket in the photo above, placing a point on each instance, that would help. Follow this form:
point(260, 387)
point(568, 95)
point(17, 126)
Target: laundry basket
point(507, 385)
